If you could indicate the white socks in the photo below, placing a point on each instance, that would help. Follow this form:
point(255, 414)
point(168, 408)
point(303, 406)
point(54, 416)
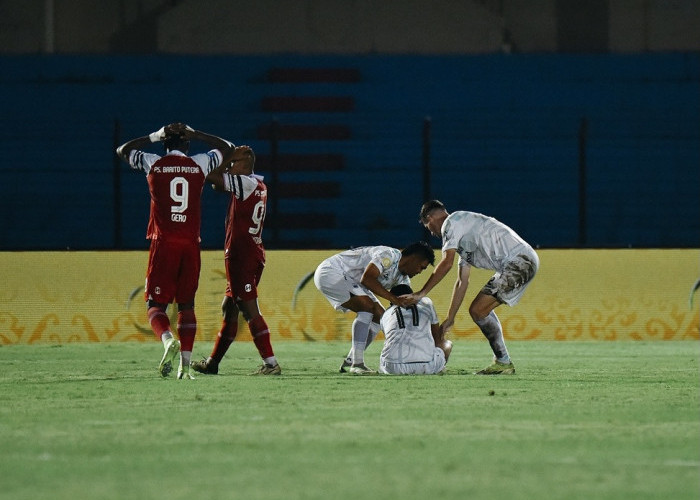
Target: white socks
point(185, 357)
point(165, 337)
point(360, 334)
point(374, 330)
point(490, 326)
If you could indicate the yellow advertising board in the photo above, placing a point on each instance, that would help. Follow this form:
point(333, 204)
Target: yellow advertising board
point(60, 297)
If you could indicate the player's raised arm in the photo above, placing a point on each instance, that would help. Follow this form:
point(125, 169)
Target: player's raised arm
point(190, 134)
point(243, 154)
point(238, 160)
point(216, 177)
point(125, 149)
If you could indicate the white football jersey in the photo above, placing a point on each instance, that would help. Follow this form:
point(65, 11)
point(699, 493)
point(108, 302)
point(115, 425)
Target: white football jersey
point(481, 241)
point(408, 337)
point(352, 264)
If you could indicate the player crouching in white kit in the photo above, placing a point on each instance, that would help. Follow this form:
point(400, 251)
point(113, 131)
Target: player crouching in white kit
point(414, 344)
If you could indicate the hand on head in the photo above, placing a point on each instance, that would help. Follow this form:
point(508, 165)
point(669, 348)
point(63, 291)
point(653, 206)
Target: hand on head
point(181, 130)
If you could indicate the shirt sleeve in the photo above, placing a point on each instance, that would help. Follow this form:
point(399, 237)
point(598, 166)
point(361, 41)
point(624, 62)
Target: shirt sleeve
point(384, 258)
point(242, 186)
point(449, 239)
point(208, 161)
point(139, 160)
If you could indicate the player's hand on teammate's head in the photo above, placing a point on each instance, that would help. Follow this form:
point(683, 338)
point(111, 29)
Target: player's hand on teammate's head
point(409, 299)
point(179, 129)
point(405, 300)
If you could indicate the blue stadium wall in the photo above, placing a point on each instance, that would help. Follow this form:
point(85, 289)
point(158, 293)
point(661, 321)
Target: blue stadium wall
point(505, 140)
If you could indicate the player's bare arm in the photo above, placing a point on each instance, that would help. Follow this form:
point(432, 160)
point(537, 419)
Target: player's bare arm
point(440, 271)
point(370, 280)
point(438, 334)
point(125, 149)
point(212, 140)
point(240, 159)
point(216, 177)
point(458, 293)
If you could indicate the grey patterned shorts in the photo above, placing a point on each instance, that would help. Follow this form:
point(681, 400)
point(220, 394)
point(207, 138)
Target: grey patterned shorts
point(509, 285)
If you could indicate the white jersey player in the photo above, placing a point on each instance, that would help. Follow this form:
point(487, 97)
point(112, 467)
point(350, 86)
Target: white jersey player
point(486, 243)
point(352, 281)
point(413, 342)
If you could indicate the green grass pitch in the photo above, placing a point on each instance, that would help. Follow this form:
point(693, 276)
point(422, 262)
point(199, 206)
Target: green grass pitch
point(580, 420)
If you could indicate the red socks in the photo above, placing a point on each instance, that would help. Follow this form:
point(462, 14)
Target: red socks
point(186, 329)
point(229, 330)
point(261, 336)
point(159, 321)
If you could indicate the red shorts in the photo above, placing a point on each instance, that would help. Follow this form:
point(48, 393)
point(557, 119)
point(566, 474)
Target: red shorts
point(173, 271)
point(242, 278)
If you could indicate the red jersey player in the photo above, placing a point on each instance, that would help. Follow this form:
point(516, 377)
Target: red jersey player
point(175, 183)
point(244, 257)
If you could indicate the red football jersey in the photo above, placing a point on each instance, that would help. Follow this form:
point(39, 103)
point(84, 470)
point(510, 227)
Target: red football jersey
point(175, 182)
point(245, 217)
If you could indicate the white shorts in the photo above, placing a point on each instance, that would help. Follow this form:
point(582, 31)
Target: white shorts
point(332, 283)
point(509, 285)
point(433, 367)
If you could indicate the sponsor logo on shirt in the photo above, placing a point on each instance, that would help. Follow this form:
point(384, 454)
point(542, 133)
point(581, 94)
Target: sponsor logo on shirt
point(468, 256)
point(176, 170)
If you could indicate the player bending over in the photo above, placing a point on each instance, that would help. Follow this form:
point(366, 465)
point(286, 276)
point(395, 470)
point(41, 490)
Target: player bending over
point(485, 243)
point(352, 280)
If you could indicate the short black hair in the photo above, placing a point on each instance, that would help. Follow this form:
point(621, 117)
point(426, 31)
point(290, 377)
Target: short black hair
point(428, 207)
point(402, 289)
point(420, 248)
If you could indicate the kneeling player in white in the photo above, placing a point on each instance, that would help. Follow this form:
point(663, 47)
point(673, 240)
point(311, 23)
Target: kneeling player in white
point(414, 344)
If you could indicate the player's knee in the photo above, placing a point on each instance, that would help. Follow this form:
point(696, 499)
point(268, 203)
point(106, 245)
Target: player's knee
point(185, 306)
point(158, 305)
point(446, 348)
point(476, 312)
point(364, 317)
point(378, 312)
point(229, 309)
point(186, 316)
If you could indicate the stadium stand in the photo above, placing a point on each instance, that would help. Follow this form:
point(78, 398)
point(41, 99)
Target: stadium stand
point(504, 141)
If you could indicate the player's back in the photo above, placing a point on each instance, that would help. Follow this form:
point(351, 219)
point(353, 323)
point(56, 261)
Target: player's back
point(175, 182)
point(407, 331)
